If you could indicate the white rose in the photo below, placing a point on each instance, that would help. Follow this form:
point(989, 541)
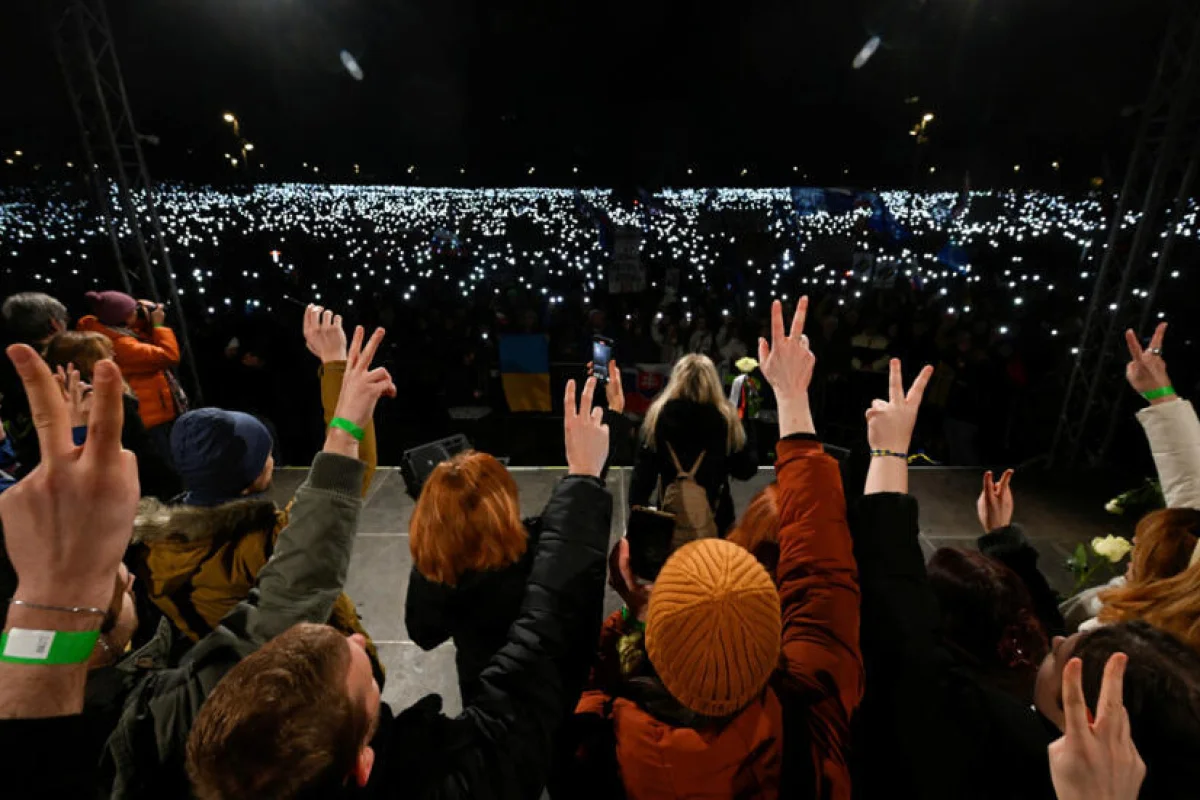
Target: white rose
point(1114, 548)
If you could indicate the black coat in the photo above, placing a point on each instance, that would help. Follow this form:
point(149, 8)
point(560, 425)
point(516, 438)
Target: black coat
point(1009, 546)
point(927, 728)
point(692, 428)
point(476, 613)
point(502, 745)
point(155, 474)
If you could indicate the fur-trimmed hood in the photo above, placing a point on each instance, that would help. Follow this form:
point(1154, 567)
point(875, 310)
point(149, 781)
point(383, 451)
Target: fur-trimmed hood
point(160, 522)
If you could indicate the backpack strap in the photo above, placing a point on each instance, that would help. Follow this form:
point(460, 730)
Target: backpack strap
point(691, 474)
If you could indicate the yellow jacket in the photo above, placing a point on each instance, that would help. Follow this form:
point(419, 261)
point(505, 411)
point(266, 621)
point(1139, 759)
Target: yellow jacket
point(198, 563)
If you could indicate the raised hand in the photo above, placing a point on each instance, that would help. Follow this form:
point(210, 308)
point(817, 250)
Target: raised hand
point(66, 525)
point(323, 334)
point(1147, 370)
point(788, 364)
point(1096, 760)
point(77, 394)
point(995, 503)
point(361, 389)
point(621, 578)
point(890, 424)
point(584, 432)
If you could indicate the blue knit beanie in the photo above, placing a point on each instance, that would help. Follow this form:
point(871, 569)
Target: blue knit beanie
point(218, 454)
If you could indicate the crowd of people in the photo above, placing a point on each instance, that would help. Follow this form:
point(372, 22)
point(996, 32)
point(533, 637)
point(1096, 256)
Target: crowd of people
point(200, 643)
point(990, 287)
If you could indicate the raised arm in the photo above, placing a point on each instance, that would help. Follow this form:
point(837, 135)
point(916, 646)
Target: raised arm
point(308, 569)
point(817, 576)
point(326, 339)
point(66, 526)
point(161, 352)
point(1006, 542)
point(505, 736)
point(1170, 422)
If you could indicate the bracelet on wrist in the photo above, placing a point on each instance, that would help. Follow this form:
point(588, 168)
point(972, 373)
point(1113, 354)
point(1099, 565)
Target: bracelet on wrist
point(892, 453)
point(100, 612)
point(1162, 391)
point(349, 427)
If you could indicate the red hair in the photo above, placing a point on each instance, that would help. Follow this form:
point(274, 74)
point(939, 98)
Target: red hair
point(758, 529)
point(467, 519)
point(988, 613)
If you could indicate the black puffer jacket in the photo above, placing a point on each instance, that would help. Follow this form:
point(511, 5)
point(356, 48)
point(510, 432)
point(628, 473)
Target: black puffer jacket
point(691, 429)
point(501, 746)
point(476, 613)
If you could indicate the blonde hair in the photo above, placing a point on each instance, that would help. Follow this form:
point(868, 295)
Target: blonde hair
point(1163, 590)
point(695, 378)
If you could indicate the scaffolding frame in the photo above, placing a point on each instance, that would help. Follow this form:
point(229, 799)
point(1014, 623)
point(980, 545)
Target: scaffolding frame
point(1166, 154)
point(114, 164)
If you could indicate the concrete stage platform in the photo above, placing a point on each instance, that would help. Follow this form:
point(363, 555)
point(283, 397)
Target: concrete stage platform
point(1055, 520)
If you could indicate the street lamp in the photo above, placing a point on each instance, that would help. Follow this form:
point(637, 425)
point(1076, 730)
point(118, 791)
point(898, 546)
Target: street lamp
point(232, 120)
point(247, 146)
point(927, 118)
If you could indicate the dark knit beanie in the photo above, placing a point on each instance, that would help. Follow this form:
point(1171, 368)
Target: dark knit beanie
point(111, 308)
point(218, 454)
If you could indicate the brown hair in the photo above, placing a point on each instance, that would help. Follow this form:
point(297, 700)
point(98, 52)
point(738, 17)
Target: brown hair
point(281, 723)
point(1163, 543)
point(758, 529)
point(1164, 590)
point(467, 518)
point(83, 349)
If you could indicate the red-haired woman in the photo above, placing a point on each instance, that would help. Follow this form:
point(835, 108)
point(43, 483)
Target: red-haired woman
point(472, 554)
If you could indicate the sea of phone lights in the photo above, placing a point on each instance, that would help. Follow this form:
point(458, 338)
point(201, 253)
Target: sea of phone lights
point(356, 242)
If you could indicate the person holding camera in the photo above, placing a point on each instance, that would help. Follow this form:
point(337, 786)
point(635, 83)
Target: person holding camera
point(146, 351)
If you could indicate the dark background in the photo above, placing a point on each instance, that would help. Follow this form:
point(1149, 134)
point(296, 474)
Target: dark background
point(632, 92)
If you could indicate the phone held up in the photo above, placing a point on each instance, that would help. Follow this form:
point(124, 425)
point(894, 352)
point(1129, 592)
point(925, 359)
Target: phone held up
point(649, 533)
point(601, 355)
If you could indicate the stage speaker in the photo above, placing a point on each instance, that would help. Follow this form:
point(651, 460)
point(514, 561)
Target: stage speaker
point(417, 464)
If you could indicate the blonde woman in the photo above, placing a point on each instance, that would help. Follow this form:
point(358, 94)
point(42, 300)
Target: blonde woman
point(692, 416)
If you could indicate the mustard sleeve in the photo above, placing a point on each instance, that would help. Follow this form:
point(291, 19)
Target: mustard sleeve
point(331, 375)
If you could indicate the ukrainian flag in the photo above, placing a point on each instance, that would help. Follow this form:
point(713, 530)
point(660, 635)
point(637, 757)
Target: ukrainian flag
point(525, 371)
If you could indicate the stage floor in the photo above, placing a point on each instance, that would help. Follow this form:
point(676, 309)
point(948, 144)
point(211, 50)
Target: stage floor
point(1054, 519)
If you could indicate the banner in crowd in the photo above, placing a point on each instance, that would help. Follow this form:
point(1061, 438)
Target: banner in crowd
point(808, 200)
point(625, 274)
point(525, 371)
point(642, 384)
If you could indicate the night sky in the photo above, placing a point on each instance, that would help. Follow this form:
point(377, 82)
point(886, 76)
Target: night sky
point(630, 92)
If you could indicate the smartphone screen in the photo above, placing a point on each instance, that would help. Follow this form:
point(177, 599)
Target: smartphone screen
point(601, 355)
point(649, 534)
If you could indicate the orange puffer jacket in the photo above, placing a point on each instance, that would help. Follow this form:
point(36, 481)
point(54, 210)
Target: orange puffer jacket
point(143, 356)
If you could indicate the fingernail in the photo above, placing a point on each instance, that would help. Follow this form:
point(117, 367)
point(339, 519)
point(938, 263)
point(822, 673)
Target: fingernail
point(18, 355)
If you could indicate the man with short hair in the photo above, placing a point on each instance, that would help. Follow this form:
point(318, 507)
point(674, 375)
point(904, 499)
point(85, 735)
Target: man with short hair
point(29, 318)
point(302, 717)
point(33, 317)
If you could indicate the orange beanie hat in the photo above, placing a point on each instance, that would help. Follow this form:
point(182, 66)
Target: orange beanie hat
point(713, 627)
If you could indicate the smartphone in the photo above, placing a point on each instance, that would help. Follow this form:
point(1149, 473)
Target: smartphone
point(601, 355)
point(649, 534)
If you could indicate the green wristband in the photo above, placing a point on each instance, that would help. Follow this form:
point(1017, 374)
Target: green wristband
point(349, 427)
point(1162, 391)
point(23, 646)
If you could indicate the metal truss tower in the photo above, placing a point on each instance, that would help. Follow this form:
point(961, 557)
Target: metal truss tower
point(115, 166)
point(1159, 180)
